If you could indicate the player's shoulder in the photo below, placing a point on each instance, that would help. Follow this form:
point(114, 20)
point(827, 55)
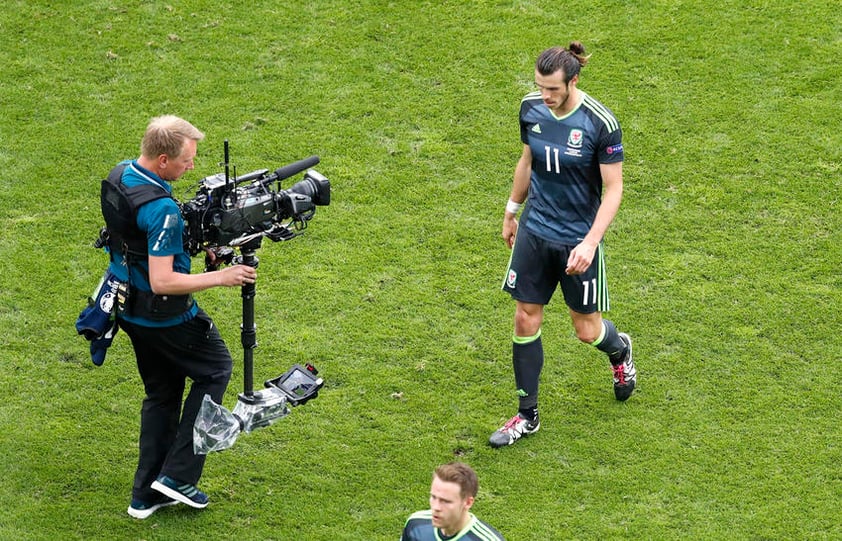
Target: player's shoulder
point(531, 100)
point(418, 526)
point(534, 96)
point(485, 531)
point(421, 515)
point(530, 105)
point(600, 112)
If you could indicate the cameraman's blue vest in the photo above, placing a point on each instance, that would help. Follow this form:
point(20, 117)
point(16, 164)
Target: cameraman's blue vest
point(120, 206)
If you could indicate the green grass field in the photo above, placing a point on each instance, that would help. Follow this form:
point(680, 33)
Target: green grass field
point(723, 264)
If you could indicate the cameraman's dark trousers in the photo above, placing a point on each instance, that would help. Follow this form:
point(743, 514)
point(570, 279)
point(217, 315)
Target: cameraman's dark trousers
point(166, 356)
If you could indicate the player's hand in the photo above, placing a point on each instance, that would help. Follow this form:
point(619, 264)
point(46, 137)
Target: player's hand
point(580, 258)
point(509, 229)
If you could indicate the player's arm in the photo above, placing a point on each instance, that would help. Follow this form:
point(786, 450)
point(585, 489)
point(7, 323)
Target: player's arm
point(166, 281)
point(520, 188)
point(612, 193)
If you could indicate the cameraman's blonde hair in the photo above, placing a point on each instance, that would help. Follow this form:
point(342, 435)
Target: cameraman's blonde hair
point(166, 135)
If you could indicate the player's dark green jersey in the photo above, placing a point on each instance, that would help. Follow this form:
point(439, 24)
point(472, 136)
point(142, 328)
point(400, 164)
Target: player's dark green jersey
point(565, 188)
point(419, 527)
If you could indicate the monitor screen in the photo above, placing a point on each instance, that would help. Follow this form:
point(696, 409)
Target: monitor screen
point(298, 383)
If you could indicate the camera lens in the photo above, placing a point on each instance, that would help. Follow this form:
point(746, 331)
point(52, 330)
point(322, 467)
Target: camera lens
point(314, 186)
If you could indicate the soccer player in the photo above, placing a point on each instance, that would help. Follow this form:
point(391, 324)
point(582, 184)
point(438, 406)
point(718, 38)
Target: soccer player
point(452, 494)
point(570, 175)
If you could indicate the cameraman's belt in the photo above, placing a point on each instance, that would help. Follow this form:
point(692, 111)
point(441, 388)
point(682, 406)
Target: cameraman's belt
point(157, 307)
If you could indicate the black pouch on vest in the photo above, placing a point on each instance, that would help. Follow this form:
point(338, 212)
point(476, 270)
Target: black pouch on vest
point(158, 307)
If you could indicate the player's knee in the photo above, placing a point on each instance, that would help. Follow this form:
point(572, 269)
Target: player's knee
point(587, 334)
point(585, 337)
point(526, 324)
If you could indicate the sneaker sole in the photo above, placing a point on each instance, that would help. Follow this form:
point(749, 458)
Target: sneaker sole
point(176, 495)
point(146, 513)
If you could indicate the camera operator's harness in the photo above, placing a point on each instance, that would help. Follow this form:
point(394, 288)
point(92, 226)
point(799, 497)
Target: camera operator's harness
point(120, 205)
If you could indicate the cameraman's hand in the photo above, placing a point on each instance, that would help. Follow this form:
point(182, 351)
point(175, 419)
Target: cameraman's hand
point(216, 257)
point(238, 275)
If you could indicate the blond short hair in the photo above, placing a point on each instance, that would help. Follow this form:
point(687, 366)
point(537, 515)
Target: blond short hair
point(166, 135)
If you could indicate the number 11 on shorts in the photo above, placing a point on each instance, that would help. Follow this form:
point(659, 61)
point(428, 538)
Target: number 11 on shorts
point(589, 290)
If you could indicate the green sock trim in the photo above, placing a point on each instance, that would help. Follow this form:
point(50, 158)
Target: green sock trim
point(599, 340)
point(529, 339)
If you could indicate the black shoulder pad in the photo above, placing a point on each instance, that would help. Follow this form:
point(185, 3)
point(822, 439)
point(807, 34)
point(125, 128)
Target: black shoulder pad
point(119, 209)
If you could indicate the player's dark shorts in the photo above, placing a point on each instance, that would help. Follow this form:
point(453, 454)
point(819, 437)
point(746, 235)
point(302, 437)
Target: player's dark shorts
point(536, 268)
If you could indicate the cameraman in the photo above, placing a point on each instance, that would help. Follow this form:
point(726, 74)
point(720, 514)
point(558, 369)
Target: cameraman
point(173, 339)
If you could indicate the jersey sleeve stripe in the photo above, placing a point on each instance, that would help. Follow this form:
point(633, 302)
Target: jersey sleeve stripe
point(483, 532)
point(602, 113)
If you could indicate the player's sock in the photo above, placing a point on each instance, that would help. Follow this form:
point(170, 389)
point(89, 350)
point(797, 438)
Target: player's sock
point(610, 342)
point(530, 414)
point(528, 360)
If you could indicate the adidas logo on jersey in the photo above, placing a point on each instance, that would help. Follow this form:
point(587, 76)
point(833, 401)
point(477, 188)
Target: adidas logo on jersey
point(536, 128)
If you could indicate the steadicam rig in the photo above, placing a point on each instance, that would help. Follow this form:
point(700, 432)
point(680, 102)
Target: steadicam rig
point(238, 212)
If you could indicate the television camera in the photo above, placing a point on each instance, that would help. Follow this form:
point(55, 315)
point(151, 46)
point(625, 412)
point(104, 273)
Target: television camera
point(233, 211)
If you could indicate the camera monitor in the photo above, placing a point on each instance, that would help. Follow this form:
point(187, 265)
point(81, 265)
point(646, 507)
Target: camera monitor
point(299, 384)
